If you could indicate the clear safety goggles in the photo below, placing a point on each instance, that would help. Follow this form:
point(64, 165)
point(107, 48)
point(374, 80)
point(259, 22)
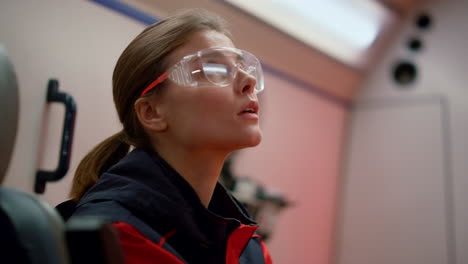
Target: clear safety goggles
point(212, 67)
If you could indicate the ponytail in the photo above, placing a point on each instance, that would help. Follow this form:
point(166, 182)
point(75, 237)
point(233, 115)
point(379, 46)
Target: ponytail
point(97, 161)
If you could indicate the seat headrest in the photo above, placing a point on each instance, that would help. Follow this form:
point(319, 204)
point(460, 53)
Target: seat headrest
point(8, 110)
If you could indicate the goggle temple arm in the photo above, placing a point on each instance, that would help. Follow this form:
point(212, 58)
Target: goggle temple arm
point(152, 85)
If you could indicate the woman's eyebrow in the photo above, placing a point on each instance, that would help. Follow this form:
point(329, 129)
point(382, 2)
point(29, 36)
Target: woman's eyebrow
point(214, 54)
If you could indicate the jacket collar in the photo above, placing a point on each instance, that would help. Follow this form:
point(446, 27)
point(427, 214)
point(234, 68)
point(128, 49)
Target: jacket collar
point(152, 190)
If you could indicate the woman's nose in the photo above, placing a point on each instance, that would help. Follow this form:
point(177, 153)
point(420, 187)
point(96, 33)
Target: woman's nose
point(247, 82)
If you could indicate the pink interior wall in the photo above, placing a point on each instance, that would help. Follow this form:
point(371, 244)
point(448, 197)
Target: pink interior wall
point(298, 157)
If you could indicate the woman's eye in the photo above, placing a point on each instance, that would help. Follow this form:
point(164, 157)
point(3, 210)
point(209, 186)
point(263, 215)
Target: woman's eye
point(197, 74)
point(215, 69)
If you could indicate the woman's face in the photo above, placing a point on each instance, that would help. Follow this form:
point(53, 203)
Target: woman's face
point(211, 118)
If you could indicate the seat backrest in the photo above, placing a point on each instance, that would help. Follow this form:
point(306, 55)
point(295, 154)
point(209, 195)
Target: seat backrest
point(8, 111)
point(31, 230)
point(36, 228)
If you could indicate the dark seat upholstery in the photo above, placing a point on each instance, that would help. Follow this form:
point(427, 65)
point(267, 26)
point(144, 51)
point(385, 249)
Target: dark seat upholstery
point(35, 227)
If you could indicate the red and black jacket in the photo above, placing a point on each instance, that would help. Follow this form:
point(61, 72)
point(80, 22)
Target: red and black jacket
point(160, 218)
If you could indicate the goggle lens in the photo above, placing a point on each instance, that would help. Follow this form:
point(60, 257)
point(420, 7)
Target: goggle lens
point(217, 73)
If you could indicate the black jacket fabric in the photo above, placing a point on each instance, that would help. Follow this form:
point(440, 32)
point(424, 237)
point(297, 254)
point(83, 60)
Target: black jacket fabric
point(144, 191)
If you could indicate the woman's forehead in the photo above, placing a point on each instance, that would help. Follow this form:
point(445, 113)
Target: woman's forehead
point(199, 41)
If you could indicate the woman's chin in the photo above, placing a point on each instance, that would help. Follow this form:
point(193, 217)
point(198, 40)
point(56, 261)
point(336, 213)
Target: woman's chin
point(252, 140)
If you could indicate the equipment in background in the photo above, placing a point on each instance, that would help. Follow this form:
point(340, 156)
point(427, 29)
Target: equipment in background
point(263, 205)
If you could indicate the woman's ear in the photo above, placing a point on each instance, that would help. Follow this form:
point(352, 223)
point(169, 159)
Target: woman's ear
point(150, 114)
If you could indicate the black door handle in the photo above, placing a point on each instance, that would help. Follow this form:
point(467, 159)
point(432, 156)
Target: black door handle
point(53, 95)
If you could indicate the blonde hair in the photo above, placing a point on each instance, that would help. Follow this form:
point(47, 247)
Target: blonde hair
point(144, 59)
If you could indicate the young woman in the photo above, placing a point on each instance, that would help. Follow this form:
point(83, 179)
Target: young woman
point(186, 98)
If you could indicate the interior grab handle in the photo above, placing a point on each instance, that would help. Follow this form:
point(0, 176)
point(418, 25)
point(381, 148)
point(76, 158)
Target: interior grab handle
point(55, 96)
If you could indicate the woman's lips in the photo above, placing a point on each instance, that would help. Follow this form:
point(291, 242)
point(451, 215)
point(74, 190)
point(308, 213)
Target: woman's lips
point(250, 111)
point(250, 107)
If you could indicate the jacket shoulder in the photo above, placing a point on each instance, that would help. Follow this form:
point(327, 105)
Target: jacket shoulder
point(139, 249)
